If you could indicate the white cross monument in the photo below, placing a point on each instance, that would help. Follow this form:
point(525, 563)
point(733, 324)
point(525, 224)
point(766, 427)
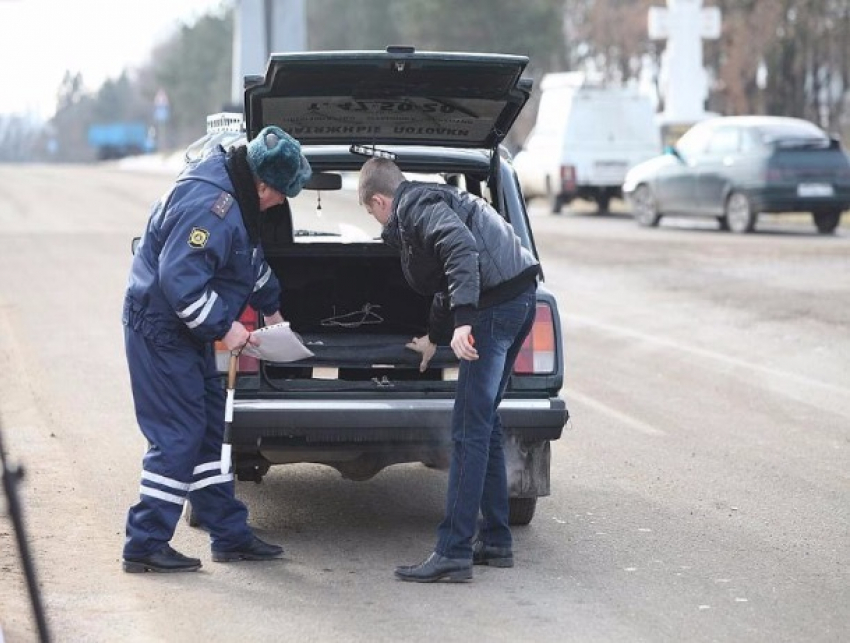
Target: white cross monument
point(682, 79)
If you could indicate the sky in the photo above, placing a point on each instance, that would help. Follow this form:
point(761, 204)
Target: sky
point(41, 39)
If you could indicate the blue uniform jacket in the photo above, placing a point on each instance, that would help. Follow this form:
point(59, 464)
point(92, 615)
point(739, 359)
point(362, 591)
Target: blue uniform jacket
point(195, 269)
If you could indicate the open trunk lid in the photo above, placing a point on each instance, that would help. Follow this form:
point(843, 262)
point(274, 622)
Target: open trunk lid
point(396, 97)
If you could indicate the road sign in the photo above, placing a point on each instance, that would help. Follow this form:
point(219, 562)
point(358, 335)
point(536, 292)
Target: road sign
point(161, 107)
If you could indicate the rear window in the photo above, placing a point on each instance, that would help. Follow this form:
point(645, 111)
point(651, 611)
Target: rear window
point(337, 217)
point(792, 133)
point(333, 217)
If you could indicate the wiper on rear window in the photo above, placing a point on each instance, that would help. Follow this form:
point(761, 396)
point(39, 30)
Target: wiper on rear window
point(314, 233)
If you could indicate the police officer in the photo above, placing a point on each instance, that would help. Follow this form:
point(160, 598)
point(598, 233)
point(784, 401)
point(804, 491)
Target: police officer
point(199, 264)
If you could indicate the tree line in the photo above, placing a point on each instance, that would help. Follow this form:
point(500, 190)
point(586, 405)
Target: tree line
point(783, 57)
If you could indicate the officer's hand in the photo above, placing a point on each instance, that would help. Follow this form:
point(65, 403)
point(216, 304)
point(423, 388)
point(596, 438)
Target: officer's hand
point(237, 337)
point(424, 346)
point(463, 343)
point(275, 318)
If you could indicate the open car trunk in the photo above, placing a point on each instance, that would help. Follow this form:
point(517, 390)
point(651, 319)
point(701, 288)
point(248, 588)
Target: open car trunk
point(355, 312)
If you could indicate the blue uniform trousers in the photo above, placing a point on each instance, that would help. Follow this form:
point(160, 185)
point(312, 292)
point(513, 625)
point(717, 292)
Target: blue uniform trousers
point(179, 402)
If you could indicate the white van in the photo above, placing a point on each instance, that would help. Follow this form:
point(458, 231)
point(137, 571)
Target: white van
point(586, 137)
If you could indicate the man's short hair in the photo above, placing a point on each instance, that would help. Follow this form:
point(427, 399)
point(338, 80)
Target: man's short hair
point(378, 176)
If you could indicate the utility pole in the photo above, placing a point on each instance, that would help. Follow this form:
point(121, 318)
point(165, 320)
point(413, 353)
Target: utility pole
point(264, 27)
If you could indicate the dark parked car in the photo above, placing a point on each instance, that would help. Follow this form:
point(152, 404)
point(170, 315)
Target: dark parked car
point(359, 403)
point(735, 167)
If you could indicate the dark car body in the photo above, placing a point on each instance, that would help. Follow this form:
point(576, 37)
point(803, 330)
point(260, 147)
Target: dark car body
point(733, 168)
point(359, 403)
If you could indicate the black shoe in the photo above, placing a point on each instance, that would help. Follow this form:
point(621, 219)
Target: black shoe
point(494, 556)
point(436, 568)
point(165, 560)
point(256, 549)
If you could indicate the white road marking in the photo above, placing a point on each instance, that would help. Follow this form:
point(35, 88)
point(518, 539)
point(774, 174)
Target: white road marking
point(627, 420)
point(823, 395)
point(704, 352)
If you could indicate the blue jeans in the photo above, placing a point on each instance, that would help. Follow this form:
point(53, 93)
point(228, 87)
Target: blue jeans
point(477, 475)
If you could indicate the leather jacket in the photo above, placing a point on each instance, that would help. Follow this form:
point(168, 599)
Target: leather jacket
point(456, 247)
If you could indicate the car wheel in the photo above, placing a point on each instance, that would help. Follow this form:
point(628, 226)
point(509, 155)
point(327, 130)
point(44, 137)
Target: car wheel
point(739, 213)
point(521, 510)
point(826, 221)
point(603, 201)
point(556, 201)
point(644, 208)
point(723, 223)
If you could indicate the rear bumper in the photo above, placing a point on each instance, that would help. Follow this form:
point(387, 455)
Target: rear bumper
point(399, 421)
point(592, 191)
point(776, 206)
point(787, 200)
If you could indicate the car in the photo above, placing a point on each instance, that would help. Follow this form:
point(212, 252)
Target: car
point(586, 136)
point(733, 168)
point(359, 403)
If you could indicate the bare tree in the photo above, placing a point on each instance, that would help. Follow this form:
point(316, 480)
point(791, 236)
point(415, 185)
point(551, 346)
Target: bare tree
point(803, 45)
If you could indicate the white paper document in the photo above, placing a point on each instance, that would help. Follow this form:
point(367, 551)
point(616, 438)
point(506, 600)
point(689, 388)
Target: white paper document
point(277, 344)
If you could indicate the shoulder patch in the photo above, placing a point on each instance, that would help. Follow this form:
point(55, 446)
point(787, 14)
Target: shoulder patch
point(222, 204)
point(198, 237)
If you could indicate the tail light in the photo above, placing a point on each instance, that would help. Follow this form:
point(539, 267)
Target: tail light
point(537, 355)
point(247, 364)
point(568, 178)
point(778, 175)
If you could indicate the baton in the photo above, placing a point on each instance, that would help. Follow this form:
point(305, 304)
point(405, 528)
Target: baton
point(226, 446)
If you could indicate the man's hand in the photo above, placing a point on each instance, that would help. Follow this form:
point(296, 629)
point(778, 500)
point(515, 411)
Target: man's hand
point(424, 346)
point(462, 343)
point(274, 318)
point(237, 337)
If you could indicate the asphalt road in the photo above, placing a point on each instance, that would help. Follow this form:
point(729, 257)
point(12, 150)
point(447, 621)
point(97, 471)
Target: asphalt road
point(701, 493)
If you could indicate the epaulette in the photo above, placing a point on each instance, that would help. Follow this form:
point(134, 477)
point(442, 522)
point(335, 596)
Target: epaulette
point(222, 204)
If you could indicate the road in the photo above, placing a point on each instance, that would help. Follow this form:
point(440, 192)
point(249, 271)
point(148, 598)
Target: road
point(701, 492)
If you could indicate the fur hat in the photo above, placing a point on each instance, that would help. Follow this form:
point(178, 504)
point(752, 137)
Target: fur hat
point(275, 158)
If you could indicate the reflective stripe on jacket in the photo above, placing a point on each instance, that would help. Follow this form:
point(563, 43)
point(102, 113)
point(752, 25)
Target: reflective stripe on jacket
point(195, 267)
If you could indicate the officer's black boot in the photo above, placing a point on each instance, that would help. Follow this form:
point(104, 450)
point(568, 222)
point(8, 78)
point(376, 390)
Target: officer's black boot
point(254, 549)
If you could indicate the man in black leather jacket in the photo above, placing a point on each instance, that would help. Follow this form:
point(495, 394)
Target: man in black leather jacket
point(457, 248)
